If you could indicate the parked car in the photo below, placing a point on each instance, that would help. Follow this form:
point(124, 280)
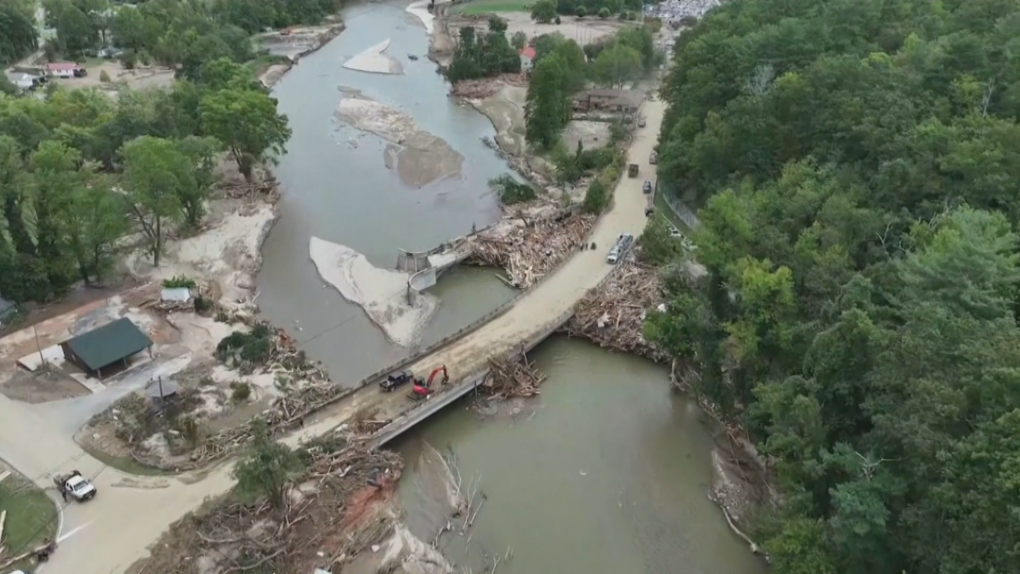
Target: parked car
point(647, 187)
point(641, 123)
point(395, 380)
point(654, 158)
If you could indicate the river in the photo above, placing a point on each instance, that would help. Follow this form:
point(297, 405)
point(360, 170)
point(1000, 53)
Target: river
point(345, 194)
point(605, 471)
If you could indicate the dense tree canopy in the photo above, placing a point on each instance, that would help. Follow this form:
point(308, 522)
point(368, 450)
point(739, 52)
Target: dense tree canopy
point(18, 36)
point(856, 165)
point(480, 56)
point(77, 169)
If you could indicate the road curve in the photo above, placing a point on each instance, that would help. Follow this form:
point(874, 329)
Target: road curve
point(109, 533)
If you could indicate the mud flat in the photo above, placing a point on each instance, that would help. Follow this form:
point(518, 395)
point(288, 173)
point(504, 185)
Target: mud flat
point(419, 157)
point(382, 293)
point(375, 61)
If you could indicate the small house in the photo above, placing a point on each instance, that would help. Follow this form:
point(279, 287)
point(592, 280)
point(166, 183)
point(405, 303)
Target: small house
point(65, 70)
point(24, 80)
point(106, 347)
point(527, 58)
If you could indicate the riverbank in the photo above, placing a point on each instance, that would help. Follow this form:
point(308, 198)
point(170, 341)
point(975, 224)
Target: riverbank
point(293, 43)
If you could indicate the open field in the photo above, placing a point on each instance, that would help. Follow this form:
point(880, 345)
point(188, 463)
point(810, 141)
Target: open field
point(492, 6)
point(31, 514)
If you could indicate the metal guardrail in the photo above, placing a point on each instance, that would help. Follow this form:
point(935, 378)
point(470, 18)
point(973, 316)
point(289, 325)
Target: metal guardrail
point(416, 414)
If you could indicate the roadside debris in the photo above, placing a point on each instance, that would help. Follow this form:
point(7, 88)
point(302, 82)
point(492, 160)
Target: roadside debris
point(528, 249)
point(334, 509)
point(613, 313)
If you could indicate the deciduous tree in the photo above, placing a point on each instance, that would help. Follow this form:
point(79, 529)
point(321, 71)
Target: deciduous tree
point(247, 123)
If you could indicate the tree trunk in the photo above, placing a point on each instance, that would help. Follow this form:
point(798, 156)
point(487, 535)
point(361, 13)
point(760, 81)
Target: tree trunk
point(157, 244)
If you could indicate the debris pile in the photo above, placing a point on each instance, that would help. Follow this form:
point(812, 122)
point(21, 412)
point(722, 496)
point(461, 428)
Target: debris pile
point(613, 314)
point(512, 377)
point(329, 514)
point(263, 188)
point(529, 249)
point(677, 10)
point(485, 87)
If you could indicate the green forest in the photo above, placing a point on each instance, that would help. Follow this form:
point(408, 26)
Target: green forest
point(79, 170)
point(856, 165)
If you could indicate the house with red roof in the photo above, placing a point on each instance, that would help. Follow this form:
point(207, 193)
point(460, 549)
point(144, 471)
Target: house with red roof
point(527, 58)
point(65, 70)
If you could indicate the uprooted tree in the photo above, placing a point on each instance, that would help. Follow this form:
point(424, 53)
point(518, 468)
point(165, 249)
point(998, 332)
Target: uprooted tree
point(267, 468)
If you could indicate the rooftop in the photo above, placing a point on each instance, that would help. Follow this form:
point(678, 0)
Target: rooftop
point(110, 343)
point(63, 66)
point(528, 52)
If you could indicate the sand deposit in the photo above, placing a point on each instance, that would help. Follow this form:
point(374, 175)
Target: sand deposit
point(374, 61)
point(420, 10)
point(228, 253)
point(419, 157)
point(382, 293)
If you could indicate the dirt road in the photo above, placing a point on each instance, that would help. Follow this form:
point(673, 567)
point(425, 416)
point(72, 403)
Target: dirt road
point(109, 533)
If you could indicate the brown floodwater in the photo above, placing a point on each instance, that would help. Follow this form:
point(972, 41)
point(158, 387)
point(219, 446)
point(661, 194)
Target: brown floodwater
point(606, 471)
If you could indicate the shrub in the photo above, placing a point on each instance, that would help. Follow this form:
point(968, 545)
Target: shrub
point(511, 191)
point(557, 20)
point(239, 391)
point(581, 12)
point(104, 77)
point(604, 12)
point(179, 282)
point(248, 349)
point(202, 304)
point(127, 59)
point(596, 198)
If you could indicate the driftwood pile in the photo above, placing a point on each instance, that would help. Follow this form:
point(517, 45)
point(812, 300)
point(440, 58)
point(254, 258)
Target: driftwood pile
point(512, 377)
point(613, 314)
point(485, 87)
point(528, 249)
point(264, 187)
point(322, 523)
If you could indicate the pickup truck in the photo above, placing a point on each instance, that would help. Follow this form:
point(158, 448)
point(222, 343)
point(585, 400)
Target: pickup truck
point(397, 379)
point(75, 485)
point(623, 244)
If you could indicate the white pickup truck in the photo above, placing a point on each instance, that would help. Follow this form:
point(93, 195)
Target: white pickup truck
point(75, 485)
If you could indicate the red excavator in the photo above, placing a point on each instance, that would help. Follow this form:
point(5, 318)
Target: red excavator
point(423, 388)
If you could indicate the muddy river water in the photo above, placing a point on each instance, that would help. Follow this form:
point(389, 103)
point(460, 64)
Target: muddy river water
point(605, 471)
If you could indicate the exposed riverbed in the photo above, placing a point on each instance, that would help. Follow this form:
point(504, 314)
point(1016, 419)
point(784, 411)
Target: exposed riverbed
point(605, 471)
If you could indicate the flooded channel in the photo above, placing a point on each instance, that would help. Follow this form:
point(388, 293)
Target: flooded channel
point(605, 472)
point(336, 186)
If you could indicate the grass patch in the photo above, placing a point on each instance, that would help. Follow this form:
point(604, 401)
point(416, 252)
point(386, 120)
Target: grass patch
point(492, 6)
point(31, 515)
point(123, 463)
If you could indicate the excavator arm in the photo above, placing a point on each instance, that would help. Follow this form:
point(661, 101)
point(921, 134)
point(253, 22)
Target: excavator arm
point(436, 371)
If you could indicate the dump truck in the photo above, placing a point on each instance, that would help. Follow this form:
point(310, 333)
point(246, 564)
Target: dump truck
point(74, 485)
point(632, 170)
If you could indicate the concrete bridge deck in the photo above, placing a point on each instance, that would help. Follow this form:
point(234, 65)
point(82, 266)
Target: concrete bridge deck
point(109, 533)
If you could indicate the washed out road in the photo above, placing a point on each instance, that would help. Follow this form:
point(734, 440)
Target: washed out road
point(114, 530)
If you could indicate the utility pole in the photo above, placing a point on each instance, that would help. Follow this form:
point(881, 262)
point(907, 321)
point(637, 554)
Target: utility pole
point(160, 380)
point(38, 347)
